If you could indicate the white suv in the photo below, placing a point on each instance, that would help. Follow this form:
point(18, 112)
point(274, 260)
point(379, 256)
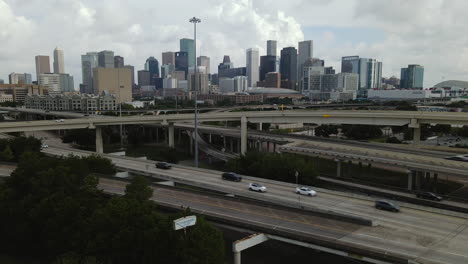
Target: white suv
point(257, 187)
point(305, 191)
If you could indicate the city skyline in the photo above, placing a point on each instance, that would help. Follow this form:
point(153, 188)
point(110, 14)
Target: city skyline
point(136, 37)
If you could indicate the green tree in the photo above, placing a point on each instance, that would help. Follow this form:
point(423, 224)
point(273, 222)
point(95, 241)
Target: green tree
point(361, 132)
point(326, 130)
point(139, 189)
point(7, 154)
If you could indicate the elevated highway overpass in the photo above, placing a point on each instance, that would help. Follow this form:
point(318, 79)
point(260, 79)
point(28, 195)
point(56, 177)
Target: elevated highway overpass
point(416, 234)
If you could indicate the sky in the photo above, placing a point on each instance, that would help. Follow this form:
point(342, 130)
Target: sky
point(397, 32)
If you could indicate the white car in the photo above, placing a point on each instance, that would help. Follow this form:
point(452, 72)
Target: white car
point(43, 146)
point(257, 187)
point(59, 120)
point(305, 191)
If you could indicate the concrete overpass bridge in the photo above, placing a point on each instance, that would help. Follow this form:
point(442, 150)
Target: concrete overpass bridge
point(417, 234)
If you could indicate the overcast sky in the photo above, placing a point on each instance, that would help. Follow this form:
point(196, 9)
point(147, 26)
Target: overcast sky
point(432, 33)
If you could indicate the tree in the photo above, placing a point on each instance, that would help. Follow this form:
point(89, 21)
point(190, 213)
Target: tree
point(7, 154)
point(139, 189)
point(361, 132)
point(326, 130)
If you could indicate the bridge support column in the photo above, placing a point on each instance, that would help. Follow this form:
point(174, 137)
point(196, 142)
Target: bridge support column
point(170, 131)
point(209, 138)
point(410, 179)
point(416, 136)
point(99, 144)
point(260, 126)
point(243, 135)
point(157, 135)
point(231, 144)
point(274, 147)
point(338, 167)
point(418, 180)
point(191, 142)
point(237, 258)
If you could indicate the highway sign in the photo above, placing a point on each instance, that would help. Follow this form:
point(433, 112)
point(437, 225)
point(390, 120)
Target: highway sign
point(184, 222)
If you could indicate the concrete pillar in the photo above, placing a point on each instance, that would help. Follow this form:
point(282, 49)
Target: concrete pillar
point(274, 147)
point(171, 135)
point(338, 168)
point(260, 126)
point(418, 180)
point(243, 135)
point(416, 136)
point(237, 258)
point(224, 142)
point(231, 143)
point(238, 145)
point(410, 180)
point(209, 138)
point(157, 135)
point(99, 144)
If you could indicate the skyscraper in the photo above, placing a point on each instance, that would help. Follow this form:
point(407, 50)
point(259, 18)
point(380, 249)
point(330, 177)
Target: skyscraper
point(267, 64)
point(144, 78)
point(181, 62)
point(106, 59)
point(20, 78)
point(252, 60)
point(59, 64)
point(168, 57)
point(188, 45)
point(88, 63)
point(271, 48)
point(42, 65)
point(118, 61)
point(369, 71)
point(305, 52)
point(152, 65)
point(288, 64)
point(412, 77)
point(204, 61)
point(117, 81)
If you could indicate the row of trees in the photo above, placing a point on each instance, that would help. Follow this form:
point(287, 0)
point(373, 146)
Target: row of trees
point(52, 210)
point(12, 149)
point(274, 166)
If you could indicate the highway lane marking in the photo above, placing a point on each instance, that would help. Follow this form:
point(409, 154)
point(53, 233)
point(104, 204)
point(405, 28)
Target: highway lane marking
point(240, 210)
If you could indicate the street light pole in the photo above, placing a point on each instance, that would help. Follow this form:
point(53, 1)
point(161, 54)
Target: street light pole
point(120, 107)
point(195, 20)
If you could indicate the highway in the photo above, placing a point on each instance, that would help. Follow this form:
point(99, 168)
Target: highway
point(423, 236)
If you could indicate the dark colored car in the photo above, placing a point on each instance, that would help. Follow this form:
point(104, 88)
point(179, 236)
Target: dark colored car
point(163, 165)
point(429, 196)
point(231, 176)
point(386, 205)
point(463, 158)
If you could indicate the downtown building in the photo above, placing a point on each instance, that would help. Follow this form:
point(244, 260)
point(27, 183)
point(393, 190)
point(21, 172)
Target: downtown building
point(412, 77)
point(288, 67)
point(335, 87)
point(252, 59)
point(72, 102)
point(20, 78)
point(20, 91)
point(369, 71)
point(89, 61)
point(56, 82)
point(59, 62)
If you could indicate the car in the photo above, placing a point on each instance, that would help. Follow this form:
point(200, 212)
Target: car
point(43, 146)
point(459, 158)
point(231, 176)
point(305, 191)
point(163, 165)
point(429, 196)
point(59, 120)
point(257, 187)
point(386, 205)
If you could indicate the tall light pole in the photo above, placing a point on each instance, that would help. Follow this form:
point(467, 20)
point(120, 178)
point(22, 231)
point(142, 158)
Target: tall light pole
point(120, 107)
point(195, 21)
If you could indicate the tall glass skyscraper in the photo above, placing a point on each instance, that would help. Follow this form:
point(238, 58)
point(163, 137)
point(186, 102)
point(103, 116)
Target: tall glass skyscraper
point(88, 63)
point(412, 77)
point(188, 45)
point(369, 71)
point(288, 64)
point(152, 65)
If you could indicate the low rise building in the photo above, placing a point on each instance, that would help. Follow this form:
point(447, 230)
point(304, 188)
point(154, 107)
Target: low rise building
point(71, 102)
point(20, 91)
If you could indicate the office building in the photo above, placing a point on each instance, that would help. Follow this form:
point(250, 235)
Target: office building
point(271, 48)
point(144, 78)
point(20, 78)
point(42, 65)
point(59, 63)
point(201, 85)
point(226, 64)
point(168, 57)
point(305, 52)
point(272, 80)
point(232, 72)
point(179, 75)
point(204, 61)
point(188, 46)
point(152, 65)
point(20, 91)
point(132, 69)
point(252, 59)
point(117, 81)
point(2, 81)
point(369, 71)
point(288, 64)
point(226, 85)
point(56, 83)
point(170, 83)
point(118, 61)
point(241, 84)
point(412, 77)
point(106, 59)
point(88, 63)
point(167, 69)
point(322, 87)
point(73, 102)
point(267, 64)
point(181, 62)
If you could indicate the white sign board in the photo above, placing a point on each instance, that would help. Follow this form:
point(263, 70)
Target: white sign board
point(184, 222)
